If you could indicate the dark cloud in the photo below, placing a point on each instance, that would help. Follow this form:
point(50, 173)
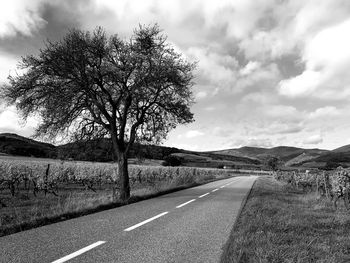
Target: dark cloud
point(290, 65)
point(59, 16)
point(268, 21)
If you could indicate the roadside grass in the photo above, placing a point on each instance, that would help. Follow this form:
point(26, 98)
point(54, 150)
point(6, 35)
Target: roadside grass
point(281, 224)
point(25, 211)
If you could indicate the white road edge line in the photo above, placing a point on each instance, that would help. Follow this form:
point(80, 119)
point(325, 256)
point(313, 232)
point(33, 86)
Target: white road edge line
point(203, 195)
point(186, 203)
point(145, 222)
point(215, 190)
point(222, 186)
point(79, 252)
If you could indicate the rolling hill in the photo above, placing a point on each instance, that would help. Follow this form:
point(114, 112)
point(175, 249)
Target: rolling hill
point(284, 153)
point(14, 144)
point(331, 159)
point(100, 150)
point(96, 150)
point(345, 148)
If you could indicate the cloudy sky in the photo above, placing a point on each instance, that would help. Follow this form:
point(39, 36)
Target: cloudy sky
point(270, 72)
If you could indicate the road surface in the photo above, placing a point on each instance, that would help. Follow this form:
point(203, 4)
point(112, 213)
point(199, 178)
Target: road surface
point(191, 225)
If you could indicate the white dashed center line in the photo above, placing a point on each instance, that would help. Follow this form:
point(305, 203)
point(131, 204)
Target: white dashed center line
point(79, 252)
point(186, 203)
point(85, 249)
point(203, 195)
point(145, 222)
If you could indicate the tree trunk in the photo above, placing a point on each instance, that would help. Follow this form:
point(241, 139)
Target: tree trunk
point(121, 160)
point(123, 173)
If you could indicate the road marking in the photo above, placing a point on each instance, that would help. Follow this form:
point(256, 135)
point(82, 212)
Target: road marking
point(203, 195)
point(222, 186)
point(186, 203)
point(215, 190)
point(145, 222)
point(79, 252)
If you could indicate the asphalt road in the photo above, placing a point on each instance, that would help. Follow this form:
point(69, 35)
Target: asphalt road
point(186, 226)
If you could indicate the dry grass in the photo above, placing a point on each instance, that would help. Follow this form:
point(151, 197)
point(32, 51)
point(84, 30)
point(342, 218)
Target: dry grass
point(280, 224)
point(24, 211)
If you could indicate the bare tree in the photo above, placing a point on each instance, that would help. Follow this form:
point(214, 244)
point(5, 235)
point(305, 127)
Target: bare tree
point(90, 85)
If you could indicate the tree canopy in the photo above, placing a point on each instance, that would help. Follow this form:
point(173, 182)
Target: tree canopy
point(88, 84)
point(92, 85)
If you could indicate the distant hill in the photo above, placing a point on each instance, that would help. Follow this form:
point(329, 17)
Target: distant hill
point(14, 144)
point(101, 150)
point(302, 158)
point(95, 150)
point(330, 159)
point(327, 159)
point(248, 152)
point(345, 148)
point(212, 160)
point(284, 153)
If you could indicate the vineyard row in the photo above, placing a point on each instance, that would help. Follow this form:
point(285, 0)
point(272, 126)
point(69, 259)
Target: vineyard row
point(46, 176)
point(334, 184)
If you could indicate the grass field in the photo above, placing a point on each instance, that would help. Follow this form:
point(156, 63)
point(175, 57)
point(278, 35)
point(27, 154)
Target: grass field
point(281, 224)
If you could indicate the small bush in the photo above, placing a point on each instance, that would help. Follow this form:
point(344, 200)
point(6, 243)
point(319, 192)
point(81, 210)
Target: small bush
point(172, 160)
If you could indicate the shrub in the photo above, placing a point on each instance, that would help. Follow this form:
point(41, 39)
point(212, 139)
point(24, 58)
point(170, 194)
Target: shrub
point(172, 160)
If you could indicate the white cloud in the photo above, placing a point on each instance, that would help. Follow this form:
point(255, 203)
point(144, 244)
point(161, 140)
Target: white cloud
point(201, 95)
point(8, 119)
point(313, 139)
point(253, 142)
point(249, 68)
point(283, 128)
point(193, 134)
point(18, 16)
point(303, 84)
point(327, 59)
point(222, 132)
point(215, 70)
point(185, 146)
point(327, 111)
point(263, 45)
point(281, 111)
point(210, 108)
point(257, 76)
point(258, 98)
point(7, 67)
point(11, 122)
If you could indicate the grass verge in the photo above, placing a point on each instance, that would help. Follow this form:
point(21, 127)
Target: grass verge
point(280, 224)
